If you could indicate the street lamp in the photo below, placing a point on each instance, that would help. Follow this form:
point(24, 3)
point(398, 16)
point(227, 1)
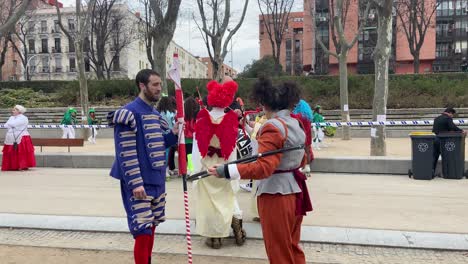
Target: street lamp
point(232, 61)
point(26, 66)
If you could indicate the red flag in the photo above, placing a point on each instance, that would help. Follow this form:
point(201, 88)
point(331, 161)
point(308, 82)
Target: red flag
point(174, 75)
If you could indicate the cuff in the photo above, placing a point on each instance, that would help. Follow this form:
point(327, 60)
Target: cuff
point(233, 172)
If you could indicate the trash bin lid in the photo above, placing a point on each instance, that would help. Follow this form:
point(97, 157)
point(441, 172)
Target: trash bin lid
point(451, 134)
point(421, 133)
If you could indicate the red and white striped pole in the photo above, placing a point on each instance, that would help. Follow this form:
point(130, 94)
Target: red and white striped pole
point(174, 75)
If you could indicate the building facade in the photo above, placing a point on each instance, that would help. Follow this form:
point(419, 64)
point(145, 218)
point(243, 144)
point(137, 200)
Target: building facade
point(190, 65)
point(51, 55)
point(444, 49)
point(229, 71)
point(292, 46)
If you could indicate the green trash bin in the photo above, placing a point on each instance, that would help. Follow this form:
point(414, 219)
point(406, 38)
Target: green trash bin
point(422, 154)
point(452, 150)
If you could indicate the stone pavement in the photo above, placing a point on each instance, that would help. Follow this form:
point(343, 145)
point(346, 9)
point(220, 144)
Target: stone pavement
point(340, 200)
point(174, 247)
point(357, 209)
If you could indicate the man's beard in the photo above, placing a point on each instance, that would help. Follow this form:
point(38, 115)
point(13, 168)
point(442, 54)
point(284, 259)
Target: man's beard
point(149, 96)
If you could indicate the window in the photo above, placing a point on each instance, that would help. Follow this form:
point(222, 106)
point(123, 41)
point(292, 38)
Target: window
point(461, 47)
point(116, 64)
point(71, 24)
point(31, 27)
point(15, 64)
point(32, 46)
point(87, 45)
point(45, 64)
point(57, 46)
point(442, 50)
point(58, 64)
point(56, 26)
point(87, 64)
point(72, 65)
point(288, 56)
point(71, 45)
point(44, 44)
point(43, 26)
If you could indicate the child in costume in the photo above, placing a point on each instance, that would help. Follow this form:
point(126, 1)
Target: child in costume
point(214, 143)
point(167, 109)
point(191, 109)
point(92, 120)
point(318, 131)
point(69, 118)
point(304, 113)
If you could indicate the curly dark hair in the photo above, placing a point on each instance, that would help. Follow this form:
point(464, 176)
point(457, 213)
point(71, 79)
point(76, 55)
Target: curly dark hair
point(276, 97)
point(166, 104)
point(191, 108)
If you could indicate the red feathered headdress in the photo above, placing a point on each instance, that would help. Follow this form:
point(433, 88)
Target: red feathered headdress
point(221, 95)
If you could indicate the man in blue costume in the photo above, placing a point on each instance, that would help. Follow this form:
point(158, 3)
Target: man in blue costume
point(141, 138)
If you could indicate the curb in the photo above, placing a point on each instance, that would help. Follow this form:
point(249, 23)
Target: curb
point(309, 234)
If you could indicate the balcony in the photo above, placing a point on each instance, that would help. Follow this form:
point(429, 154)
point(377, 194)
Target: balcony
point(56, 50)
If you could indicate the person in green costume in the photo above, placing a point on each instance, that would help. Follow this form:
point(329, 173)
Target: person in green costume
point(69, 118)
point(318, 131)
point(93, 120)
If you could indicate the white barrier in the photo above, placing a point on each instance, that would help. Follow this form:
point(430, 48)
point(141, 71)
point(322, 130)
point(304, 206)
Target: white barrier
point(333, 124)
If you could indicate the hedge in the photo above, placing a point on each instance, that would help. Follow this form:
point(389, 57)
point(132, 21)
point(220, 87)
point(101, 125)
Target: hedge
point(405, 91)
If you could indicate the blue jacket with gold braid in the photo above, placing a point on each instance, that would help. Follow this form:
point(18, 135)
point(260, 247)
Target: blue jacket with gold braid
point(141, 137)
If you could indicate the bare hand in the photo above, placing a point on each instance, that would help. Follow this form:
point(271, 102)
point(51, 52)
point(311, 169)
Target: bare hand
point(212, 170)
point(175, 128)
point(139, 193)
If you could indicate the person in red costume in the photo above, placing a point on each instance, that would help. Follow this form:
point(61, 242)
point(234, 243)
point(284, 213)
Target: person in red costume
point(214, 143)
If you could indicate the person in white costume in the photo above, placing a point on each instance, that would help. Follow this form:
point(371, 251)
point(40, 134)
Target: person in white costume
point(214, 143)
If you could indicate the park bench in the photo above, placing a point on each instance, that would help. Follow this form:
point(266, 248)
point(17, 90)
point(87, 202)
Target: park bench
point(58, 142)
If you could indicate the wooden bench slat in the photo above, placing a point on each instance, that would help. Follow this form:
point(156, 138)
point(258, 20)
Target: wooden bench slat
point(58, 142)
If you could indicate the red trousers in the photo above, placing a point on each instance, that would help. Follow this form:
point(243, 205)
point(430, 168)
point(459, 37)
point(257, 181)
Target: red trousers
point(281, 228)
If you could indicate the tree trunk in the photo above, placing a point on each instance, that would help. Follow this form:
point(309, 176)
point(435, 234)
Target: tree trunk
point(2, 58)
point(100, 62)
point(343, 58)
point(381, 59)
point(218, 70)
point(83, 85)
point(159, 59)
point(277, 60)
point(100, 72)
point(416, 62)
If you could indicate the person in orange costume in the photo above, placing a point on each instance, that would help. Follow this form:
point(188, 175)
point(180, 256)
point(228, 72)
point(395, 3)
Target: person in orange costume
point(283, 198)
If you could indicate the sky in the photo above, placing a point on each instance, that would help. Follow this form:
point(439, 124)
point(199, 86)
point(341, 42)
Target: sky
point(245, 43)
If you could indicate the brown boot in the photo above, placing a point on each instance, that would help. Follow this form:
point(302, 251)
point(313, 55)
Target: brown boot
point(239, 233)
point(215, 243)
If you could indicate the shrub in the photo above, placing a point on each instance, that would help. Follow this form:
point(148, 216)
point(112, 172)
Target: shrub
point(405, 91)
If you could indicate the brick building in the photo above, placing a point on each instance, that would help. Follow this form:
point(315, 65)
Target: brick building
point(227, 69)
point(445, 46)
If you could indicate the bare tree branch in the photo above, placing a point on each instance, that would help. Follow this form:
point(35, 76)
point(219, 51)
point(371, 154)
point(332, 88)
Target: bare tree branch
point(10, 22)
point(275, 18)
point(216, 33)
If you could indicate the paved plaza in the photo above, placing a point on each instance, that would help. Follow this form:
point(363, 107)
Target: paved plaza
point(28, 246)
point(349, 210)
point(340, 200)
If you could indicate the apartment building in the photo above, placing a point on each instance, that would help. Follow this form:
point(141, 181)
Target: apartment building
point(445, 46)
point(51, 55)
point(228, 70)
